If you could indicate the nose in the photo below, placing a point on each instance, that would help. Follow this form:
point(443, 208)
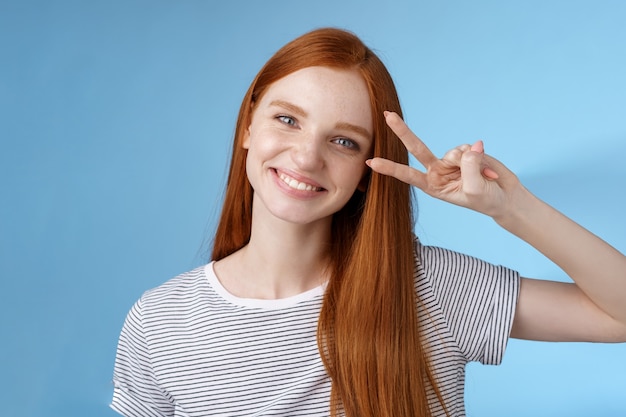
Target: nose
point(308, 153)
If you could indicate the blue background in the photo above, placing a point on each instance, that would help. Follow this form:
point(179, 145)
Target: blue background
point(116, 119)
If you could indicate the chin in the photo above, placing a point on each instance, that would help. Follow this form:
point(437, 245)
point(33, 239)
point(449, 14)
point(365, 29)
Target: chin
point(301, 219)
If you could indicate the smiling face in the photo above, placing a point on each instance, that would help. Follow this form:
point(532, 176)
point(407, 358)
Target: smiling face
point(310, 135)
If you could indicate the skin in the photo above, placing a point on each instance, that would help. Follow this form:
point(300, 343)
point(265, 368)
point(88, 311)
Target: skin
point(593, 307)
point(311, 129)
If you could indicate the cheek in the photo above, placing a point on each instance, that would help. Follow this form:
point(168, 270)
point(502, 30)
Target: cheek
point(260, 150)
point(365, 177)
point(354, 176)
point(252, 161)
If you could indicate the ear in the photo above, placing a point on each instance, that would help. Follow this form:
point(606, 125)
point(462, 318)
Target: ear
point(245, 143)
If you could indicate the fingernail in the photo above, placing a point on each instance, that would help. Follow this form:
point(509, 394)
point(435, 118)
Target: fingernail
point(490, 173)
point(478, 147)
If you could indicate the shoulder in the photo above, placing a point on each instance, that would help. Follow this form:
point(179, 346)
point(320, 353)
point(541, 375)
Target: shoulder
point(463, 289)
point(171, 306)
point(429, 257)
point(177, 292)
point(443, 267)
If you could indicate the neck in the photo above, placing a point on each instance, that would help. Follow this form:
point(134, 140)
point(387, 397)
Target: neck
point(281, 260)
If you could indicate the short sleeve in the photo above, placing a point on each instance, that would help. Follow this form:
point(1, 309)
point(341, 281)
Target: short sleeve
point(477, 300)
point(136, 391)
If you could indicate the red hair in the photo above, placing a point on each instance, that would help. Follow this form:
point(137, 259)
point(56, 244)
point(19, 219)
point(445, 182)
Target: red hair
point(368, 331)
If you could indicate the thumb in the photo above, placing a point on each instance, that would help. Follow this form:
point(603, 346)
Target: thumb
point(479, 147)
point(472, 163)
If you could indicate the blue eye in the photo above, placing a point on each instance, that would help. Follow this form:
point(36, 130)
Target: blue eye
point(350, 144)
point(287, 120)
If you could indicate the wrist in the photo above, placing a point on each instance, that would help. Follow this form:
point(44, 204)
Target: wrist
point(520, 208)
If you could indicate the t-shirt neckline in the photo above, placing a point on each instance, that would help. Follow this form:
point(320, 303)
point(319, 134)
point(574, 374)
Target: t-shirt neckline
point(278, 303)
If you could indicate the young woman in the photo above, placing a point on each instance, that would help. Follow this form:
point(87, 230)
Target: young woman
point(319, 300)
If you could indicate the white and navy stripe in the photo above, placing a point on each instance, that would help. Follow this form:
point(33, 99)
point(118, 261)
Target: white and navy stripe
point(189, 348)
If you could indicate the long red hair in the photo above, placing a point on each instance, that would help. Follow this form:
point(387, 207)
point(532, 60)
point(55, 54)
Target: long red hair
point(368, 332)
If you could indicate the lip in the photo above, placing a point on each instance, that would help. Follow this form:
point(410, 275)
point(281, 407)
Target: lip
point(300, 178)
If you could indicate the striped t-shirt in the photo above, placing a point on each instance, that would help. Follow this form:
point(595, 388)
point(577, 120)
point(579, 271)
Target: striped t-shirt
point(190, 348)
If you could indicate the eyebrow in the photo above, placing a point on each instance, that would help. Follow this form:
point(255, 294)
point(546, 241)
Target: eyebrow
point(301, 112)
point(354, 128)
point(290, 106)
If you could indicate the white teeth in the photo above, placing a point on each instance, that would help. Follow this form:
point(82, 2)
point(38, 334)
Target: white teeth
point(293, 183)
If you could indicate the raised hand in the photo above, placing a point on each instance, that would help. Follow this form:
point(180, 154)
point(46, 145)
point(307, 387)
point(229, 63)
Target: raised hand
point(592, 309)
point(465, 176)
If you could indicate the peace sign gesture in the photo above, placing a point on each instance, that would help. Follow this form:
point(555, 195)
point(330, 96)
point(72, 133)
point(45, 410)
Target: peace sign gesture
point(465, 176)
point(593, 308)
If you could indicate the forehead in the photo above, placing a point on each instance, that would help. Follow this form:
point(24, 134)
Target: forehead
point(320, 78)
point(341, 93)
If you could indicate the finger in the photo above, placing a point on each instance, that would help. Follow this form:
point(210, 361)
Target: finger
point(472, 169)
point(490, 173)
point(401, 172)
point(479, 147)
point(453, 156)
point(413, 144)
point(504, 175)
point(487, 171)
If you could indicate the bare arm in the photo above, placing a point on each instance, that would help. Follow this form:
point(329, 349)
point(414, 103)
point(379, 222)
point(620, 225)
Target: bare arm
point(593, 308)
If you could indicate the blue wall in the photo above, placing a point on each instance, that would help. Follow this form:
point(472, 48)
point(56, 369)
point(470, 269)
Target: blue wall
point(115, 124)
